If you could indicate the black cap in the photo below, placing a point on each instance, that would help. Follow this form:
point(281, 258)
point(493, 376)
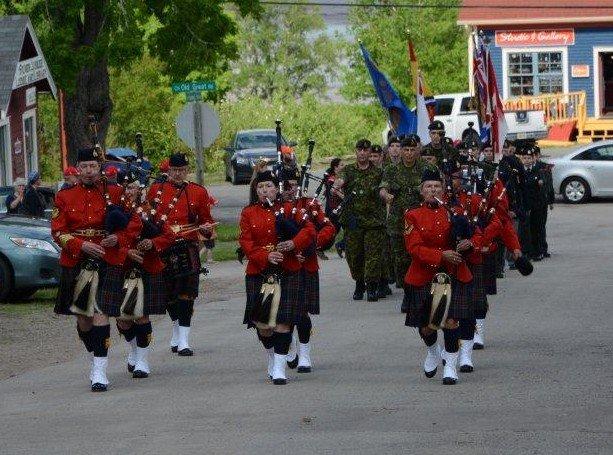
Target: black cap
point(363, 144)
point(430, 174)
point(376, 148)
point(88, 154)
point(412, 140)
point(178, 160)
point(290, 173)
point(393, 140)
point(436, 125)
point(266, 176)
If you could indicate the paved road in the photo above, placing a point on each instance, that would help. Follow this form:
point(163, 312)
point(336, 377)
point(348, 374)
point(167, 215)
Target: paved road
point(543, 384)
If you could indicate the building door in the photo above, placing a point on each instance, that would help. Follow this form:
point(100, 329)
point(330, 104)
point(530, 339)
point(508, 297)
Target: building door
point(29, 140)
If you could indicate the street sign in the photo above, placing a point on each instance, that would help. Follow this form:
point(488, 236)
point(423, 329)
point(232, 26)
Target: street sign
point(198, 126)
point(193, 86)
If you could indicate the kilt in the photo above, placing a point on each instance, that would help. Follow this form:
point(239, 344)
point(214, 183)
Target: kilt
point(110, 289)
point(68, 277)
point(310, 282)
point(489, 273)
point(478, 284)
point(291, 297)
point(418, 298)
point(156, 287)
point(189, 283)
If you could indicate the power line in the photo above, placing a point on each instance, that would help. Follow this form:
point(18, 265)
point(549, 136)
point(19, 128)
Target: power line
point(428, 5)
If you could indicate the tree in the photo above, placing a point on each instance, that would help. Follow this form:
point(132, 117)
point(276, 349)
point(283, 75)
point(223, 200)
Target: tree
point(285, 51)
point(82, 39)
point(440, 44)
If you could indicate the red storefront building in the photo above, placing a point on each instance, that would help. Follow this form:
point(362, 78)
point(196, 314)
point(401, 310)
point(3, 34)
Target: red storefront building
point(23, 74)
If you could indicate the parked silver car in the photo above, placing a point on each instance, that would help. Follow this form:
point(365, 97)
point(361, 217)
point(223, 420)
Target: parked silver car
point(585, 172)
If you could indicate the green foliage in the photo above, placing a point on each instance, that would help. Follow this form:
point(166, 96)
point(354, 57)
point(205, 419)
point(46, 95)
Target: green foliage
point(285, 51)
point(190, 35)
point(440, 45)
point(334, 126)
point(144, 103)
point(49, 157)
point(227, 232)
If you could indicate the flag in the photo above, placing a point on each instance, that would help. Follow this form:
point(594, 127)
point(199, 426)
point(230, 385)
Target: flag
point(423, 116)
point(418, 78)
point(402, 120)
point(492, 123)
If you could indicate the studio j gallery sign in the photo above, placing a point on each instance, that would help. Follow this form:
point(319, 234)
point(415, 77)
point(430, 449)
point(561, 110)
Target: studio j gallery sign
point(528, 38)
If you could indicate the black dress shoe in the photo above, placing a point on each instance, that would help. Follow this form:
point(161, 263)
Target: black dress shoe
point(138, 374)
point(97, 387)
point(304, 369)
point(174, 349)
point(477, 346)
point(537, 258)
point(372, 296)
point(466, 368)
point(546, 255)
point(279, 381)
point(360, 288)
point(430, 374)
point(130, 368)
point(186, 352)
point(293, 363)
point(449, 381)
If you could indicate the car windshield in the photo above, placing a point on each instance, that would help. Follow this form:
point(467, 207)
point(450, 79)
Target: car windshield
point(256, 140)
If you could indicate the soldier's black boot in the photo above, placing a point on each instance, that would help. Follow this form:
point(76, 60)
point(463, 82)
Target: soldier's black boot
point(372, 294)
point(384, 288)
point(360, 287)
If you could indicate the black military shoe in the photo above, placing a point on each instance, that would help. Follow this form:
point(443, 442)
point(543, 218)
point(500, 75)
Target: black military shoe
point(174, 349)
point(372, 294)
point(546, 255)
point(138, 374)
point(360, 288)
point(186, 352)
point(98, 387)
point(279, 381)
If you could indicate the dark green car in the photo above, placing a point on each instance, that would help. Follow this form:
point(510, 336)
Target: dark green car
point(29, 258)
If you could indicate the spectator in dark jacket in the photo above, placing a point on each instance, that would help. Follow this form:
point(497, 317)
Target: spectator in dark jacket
point(34, 201)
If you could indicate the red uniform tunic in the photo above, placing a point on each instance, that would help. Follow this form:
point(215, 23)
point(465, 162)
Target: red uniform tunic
point(193, 206)
point(152, 262)
point(258, 237)
point(499, 201)
point(323, 226)
point(79, 215)
point(426, 236)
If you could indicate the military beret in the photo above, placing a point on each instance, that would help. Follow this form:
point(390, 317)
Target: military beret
point(363, 144)
point(376, 148)
point(412, 140)
point(436, 125)
point(393, 140)
point(178, 160)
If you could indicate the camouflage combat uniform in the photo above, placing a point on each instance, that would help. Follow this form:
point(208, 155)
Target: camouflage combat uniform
point(444, 150)
point(403, 182)
point(363, 218)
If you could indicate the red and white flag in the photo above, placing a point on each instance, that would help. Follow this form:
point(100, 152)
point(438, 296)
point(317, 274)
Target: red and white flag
point(423, 116)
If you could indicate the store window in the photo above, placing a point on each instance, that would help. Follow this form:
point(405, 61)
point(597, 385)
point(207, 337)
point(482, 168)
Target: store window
point(535, 73)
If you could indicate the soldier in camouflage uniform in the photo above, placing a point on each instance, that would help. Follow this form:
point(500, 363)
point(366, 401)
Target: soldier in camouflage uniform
point(439, 146)
point(393, 150)
point(400, 189)
point(363, 217)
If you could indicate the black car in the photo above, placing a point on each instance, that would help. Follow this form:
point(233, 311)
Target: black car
point(248, 146)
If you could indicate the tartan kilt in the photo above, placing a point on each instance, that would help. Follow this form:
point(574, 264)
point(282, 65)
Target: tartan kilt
point(156, 286)
point(291, 297)
point(418, 298)
point(68, 278)
point(186, 284)
point(311, 292)
point(478, 284)
point(489, 273)
point(110, 289)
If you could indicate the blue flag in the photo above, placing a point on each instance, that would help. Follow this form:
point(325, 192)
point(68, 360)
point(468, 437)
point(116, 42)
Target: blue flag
point(402, 120)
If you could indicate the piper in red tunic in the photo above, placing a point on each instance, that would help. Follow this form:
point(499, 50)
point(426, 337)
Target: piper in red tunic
point(144, 261)
point(91, 258)
point(428, 241)
point(326, 232)
point(272, 238)
point(185, 208)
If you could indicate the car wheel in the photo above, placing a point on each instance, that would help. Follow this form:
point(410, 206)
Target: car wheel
point(575, 190)
point(233, 176)
point(6, 280)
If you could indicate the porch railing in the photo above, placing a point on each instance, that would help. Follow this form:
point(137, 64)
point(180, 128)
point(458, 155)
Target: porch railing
point(557, 107)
